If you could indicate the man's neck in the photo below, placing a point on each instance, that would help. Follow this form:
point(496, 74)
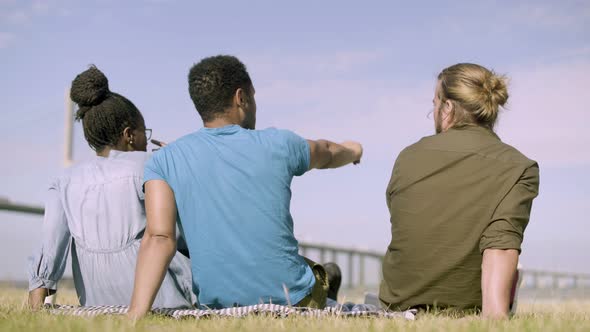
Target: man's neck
point(220, 122)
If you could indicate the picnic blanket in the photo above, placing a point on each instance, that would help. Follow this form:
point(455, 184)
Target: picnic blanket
point(273, 310)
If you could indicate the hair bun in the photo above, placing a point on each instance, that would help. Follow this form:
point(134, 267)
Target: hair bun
point(494, 94)
point(89, 88)
point(495, 87)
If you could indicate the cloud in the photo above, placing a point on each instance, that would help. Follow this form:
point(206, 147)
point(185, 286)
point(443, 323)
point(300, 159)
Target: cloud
point(331, 106)
point(6, 38)
point(40, 7)
point(552, 15)
point(495, 22)
point(26, 12)
point(16, 17)
point(548, 116)
point(277, 64)
point(338, 61)
point(21, 14)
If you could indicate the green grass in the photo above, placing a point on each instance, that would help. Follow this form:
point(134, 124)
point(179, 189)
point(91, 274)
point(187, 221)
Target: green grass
point(555, 316)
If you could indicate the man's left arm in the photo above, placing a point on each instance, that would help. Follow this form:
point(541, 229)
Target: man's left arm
point(501, 241)
point(497, 277)
point(157, 248)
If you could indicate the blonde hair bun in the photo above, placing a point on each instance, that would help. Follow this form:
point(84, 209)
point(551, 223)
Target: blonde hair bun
point(477, 90)
point(494, 94)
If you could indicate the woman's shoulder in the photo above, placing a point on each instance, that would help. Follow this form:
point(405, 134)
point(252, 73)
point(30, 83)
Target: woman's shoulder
point(118, 164)
point(128, 162)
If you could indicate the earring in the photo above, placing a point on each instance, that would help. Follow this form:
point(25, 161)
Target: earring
point(131, 142)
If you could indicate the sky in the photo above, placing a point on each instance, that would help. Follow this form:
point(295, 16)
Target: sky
point(336, 70)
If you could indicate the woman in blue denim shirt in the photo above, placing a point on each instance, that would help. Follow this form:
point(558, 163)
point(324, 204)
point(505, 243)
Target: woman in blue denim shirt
point(96, 208)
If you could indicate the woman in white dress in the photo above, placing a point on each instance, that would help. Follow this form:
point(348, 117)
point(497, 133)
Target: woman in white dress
point(96, 208)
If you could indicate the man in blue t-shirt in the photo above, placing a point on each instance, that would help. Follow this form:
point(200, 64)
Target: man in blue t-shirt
point(229, 187)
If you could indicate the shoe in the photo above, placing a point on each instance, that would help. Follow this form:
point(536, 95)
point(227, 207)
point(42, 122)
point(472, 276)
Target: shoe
point(334, 279)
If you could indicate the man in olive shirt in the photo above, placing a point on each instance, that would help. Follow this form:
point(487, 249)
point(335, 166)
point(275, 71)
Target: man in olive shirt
point(459, 201)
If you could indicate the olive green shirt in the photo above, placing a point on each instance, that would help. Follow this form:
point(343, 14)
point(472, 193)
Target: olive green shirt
point(451, 196)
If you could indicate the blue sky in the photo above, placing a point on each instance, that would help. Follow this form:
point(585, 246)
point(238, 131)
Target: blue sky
point(330, 69)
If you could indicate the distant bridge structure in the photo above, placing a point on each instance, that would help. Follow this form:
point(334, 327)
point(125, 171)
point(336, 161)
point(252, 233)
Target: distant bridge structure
point(362, 268)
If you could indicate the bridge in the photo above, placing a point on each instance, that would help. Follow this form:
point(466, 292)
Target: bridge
point(362, 268)
point(358, 264)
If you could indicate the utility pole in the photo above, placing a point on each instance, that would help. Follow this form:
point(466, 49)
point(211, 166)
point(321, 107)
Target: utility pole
point(68, 130)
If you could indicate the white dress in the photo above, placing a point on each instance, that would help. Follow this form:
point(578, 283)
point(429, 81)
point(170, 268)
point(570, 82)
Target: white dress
point(97, 209)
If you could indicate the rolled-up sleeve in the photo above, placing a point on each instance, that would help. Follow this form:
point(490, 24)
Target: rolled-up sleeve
point(47, 265)
point(511, 216)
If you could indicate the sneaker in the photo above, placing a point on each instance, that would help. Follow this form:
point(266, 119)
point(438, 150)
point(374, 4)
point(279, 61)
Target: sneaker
point(334, 279)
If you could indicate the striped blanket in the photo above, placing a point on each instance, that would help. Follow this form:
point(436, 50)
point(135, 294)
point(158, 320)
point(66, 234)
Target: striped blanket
point(273, 310)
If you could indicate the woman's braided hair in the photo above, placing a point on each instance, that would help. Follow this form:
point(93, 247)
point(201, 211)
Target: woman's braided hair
point(104, 114)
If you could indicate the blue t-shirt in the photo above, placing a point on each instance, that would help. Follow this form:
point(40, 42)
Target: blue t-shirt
point(232, 190)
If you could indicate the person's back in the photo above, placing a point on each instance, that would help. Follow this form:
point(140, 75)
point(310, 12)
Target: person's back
point(444, 196)
point(232, 189)
point(459, 203)
point(102, 202)
point(229, 185)
point(97, 208)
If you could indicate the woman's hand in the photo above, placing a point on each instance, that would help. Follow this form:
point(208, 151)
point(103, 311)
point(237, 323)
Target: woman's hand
point(158, 143)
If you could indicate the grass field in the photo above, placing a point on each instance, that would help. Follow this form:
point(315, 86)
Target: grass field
point(556, 316)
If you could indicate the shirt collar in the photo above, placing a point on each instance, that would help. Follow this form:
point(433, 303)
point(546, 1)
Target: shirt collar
point(225, 130)
point(478, 129)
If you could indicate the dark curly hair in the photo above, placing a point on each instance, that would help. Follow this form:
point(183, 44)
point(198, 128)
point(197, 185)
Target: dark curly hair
point(104, 114)
point(213, 81)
